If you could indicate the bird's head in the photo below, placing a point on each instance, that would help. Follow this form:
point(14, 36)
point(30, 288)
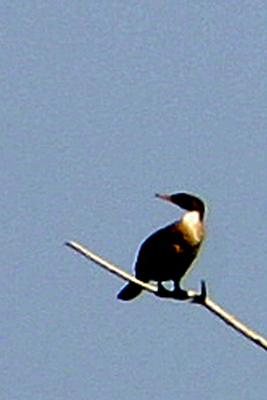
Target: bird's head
point(186, 201)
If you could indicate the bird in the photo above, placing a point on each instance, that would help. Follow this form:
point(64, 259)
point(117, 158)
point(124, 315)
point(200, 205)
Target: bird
point(167, 254)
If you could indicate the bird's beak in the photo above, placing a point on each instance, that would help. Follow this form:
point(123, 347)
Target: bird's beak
point(163, 197)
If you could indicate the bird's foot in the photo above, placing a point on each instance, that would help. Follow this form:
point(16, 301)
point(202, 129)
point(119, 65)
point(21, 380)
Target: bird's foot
point(177, 293)
point(180, 294)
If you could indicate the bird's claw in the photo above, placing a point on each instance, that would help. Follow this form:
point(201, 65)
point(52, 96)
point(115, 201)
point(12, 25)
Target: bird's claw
point(180, 294)
point(177, 293)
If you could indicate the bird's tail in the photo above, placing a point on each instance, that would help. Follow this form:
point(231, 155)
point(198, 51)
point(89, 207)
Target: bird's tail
point(130, 291)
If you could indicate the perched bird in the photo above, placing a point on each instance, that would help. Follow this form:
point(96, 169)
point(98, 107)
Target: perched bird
point(168, 253)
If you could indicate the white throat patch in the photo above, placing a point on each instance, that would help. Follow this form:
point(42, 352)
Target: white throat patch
point(192, 228)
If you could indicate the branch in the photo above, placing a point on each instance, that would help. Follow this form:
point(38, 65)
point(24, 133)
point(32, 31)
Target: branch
point(199, 298)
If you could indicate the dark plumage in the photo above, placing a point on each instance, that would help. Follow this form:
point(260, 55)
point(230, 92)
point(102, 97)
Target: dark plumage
point(168, 253)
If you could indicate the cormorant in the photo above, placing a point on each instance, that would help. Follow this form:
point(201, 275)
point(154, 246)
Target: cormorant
point(168, 253)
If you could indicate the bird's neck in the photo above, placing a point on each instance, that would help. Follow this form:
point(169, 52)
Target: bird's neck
point(192, 228)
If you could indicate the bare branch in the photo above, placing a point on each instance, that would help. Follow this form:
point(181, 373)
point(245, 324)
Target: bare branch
point(110, 267)
point(233, 321)
point(199, 298)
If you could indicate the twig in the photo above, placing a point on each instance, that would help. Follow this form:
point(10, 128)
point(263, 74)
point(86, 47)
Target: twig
point(199, 298)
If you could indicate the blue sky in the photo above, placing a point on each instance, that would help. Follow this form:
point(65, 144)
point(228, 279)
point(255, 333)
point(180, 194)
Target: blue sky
point(104, 104)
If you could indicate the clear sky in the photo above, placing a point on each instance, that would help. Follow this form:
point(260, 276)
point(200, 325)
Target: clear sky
point(104, 103)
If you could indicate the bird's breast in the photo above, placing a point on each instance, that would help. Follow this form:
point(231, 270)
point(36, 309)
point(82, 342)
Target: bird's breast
point(191, 228)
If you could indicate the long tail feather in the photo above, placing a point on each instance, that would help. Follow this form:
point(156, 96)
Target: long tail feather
point(129, 292)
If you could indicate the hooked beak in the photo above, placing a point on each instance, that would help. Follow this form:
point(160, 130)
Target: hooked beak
point(164, 197)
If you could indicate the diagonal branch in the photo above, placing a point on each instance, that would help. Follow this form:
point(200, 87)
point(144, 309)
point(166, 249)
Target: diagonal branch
point(110, 267)
point(199, 298)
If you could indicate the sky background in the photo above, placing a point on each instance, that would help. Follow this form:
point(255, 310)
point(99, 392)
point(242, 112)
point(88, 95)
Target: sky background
point(104, 103)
